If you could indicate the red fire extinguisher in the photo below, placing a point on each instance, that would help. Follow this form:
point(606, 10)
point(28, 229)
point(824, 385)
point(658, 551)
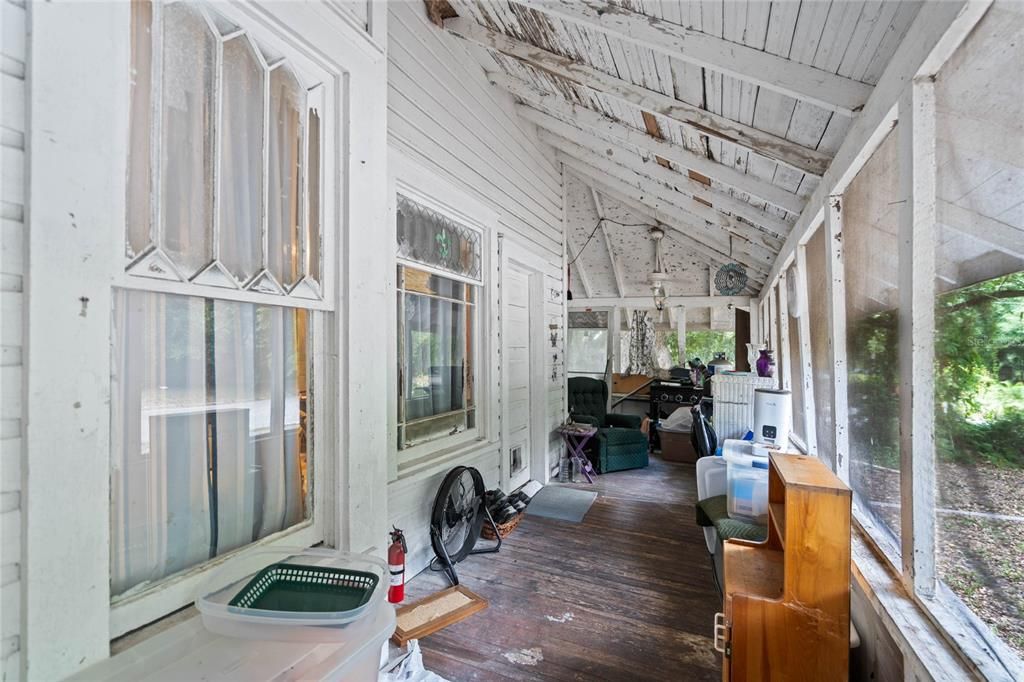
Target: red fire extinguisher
point(396, 565)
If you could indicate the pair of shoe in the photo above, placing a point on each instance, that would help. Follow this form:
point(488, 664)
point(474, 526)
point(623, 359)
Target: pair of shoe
point(501, 506)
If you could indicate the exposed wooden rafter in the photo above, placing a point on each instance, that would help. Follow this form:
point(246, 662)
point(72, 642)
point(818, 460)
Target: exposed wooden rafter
point(577, 265)
point(807, 83)
point(545, 108)
point(1006, 238)
point(620, 287)
point(438, 11)
point(748, 239)
point(586, 148)
point(670, 301)
point(702, 239)
point(704, 122)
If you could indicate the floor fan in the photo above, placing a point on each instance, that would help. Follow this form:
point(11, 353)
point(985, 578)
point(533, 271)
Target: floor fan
point(455, 522)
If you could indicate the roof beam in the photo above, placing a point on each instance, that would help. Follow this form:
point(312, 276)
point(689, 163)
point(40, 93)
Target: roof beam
point(670, 302)
point(667, 182)
point(584, 146)
point(759, 242)
point(777, 148)
point(546, 107)
point(701, 239)
point(616, 271)
point(578, 265)
point(661, 199)
point(800, 81)
point(1004, 237)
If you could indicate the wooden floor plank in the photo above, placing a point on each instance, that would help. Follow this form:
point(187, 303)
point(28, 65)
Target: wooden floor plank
point(625, 595)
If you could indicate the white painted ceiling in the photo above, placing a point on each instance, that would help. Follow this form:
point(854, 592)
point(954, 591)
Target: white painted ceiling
point(611, 149)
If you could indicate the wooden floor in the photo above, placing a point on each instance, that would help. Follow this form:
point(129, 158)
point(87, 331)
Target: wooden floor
point(625, 595)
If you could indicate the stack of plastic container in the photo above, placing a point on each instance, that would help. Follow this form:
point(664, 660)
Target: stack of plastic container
point(746, 480)
point(305, 595)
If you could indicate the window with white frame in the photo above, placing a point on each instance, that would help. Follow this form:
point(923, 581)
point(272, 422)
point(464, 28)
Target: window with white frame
point(587, 349)
point(439, 286)
point(223, 299)
point(822, 366)
point(870, 211)
point(978, 332)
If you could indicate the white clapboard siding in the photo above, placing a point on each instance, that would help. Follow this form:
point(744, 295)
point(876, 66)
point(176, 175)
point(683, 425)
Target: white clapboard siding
point(444, 115)
point(12, 271)
point(410, 501)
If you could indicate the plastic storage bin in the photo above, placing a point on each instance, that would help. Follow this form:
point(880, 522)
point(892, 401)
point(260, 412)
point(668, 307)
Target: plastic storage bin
point(746, 481)
point(222, 598)
point(676, 445)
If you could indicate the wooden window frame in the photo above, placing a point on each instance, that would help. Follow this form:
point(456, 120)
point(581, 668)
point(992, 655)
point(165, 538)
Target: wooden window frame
point(470, 434)
point(77, 259)
point(417, 183)
point(145, 603)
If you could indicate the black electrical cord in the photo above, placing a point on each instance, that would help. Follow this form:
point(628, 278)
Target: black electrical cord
point(598, 225)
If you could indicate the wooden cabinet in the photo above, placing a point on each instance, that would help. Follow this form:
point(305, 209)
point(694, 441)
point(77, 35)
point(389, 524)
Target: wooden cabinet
point(787, 600)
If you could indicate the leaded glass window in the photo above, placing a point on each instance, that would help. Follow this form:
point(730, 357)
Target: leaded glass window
point(225, 156)
point(428, 237)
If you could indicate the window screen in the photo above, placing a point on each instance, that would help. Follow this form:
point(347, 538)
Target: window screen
point(870, 208)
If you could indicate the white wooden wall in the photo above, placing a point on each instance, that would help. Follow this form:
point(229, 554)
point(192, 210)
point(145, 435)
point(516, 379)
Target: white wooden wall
point(445, 116)
point(12, 139)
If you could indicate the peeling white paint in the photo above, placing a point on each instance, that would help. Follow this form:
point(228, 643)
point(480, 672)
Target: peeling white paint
point(564, 618)
point(525, 656)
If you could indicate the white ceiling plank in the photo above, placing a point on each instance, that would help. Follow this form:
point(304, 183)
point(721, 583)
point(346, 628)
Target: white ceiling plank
point(700, 237)
point(787, 77)
point(939, 27)
point(584, 147)
point(545, 108)
point(726, 235)
point(799, 157)
point(616, 271)
point(761, 245)
point(670, 301)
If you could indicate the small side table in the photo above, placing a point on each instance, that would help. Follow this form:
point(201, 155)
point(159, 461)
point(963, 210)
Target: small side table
point(576, 437)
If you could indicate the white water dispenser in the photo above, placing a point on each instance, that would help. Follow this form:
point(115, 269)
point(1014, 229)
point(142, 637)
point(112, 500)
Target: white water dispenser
point(772, 417)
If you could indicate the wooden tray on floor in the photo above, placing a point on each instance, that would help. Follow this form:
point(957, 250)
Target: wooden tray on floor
point(434, 612)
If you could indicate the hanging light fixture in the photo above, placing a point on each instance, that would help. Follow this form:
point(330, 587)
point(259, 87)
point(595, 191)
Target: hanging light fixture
point(658, 277)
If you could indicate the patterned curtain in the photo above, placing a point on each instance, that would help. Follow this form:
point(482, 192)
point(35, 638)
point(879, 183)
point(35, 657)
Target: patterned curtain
point(641, 344)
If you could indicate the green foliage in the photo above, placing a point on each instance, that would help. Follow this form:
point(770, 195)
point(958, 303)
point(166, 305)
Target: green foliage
point(979, 377)
point(873, 375)
point(672, 343)
point(979, 387)
point(703, 344)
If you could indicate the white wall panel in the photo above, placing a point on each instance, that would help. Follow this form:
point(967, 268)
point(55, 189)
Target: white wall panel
point(445, 116)
point(12, 268)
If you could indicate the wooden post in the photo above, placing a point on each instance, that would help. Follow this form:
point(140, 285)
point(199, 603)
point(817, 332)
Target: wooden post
point(806, 370)
point(681, 333)
point(917, 335)
point(786, 375)
point(837, 324)
point(755, 323)
point(773, 326)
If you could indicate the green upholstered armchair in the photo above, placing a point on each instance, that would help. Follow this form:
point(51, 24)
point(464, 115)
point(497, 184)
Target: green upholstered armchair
point(619, 443)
